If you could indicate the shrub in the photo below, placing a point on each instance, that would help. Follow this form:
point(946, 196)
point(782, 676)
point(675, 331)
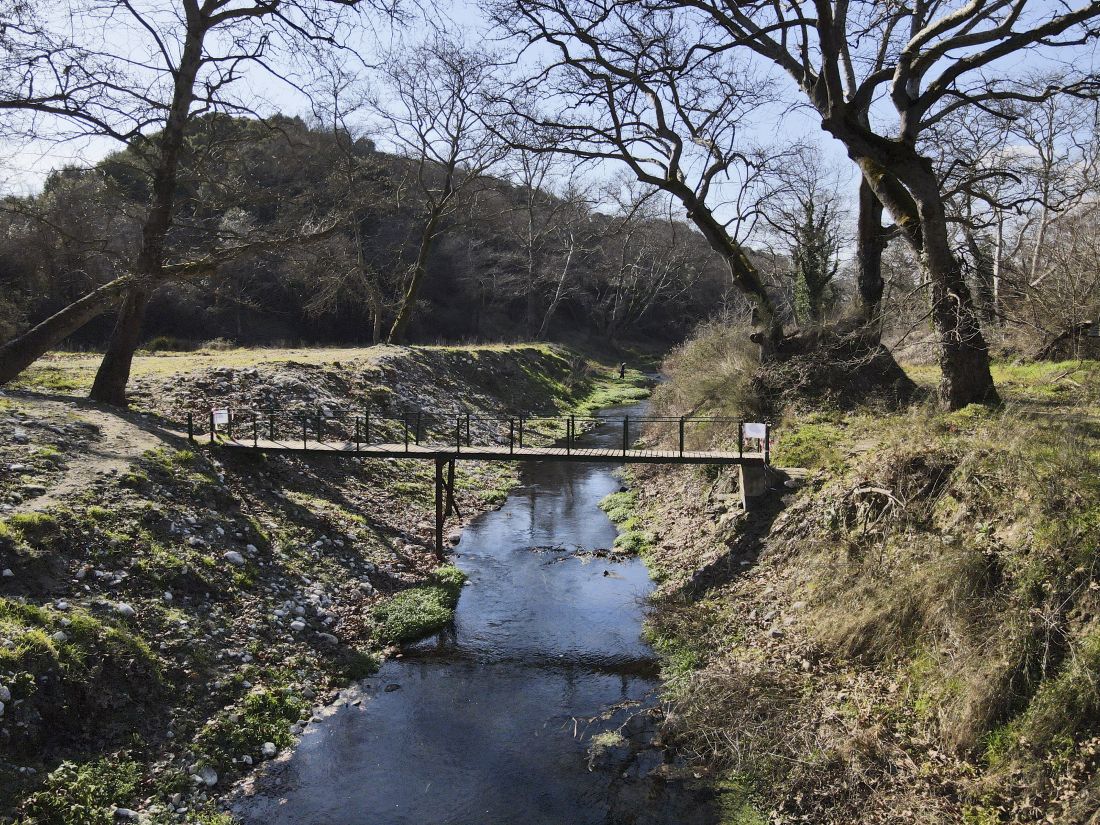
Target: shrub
point(711, 372)
point(168, 343)
point(84, 794)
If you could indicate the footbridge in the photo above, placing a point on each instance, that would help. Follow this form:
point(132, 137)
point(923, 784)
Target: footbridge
point(445, 437)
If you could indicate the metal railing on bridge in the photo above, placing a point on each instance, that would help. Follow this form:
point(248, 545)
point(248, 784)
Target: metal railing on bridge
point(459, 430)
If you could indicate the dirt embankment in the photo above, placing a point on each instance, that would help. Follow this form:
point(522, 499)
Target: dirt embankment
point(909, 631)
point(171, 615)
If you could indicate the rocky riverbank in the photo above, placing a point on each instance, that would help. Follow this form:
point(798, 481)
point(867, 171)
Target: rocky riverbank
point(171, 616)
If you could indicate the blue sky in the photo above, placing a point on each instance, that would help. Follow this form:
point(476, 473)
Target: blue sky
point(24, 167)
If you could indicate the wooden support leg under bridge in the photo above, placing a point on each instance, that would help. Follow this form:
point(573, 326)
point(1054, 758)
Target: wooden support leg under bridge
point(445, 501)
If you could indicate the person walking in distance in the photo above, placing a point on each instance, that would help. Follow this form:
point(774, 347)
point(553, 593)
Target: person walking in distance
point(622, 370)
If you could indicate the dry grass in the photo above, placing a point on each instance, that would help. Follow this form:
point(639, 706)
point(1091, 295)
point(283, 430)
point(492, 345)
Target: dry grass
point(945, 665)
point(76, 370)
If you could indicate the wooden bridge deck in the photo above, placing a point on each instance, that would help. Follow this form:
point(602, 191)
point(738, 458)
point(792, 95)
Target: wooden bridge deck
point(492, 453)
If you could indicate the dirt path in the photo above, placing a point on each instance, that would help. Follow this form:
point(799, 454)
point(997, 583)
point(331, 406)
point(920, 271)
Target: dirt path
point(113, 441)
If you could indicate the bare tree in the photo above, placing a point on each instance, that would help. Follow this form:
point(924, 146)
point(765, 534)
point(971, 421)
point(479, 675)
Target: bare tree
point(628, 82)
point(923, 60)
point(178, 65)
point(434, 106)
point(551, 225)
point(652, 263)
point(1010, 173)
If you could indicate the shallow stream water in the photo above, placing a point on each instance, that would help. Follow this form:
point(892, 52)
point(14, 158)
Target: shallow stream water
point(491, 721)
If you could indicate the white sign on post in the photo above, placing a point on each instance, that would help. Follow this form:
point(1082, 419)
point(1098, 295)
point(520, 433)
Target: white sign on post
point(220, 417)
point(756, 430)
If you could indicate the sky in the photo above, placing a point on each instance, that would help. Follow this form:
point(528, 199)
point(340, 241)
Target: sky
point(23, 167)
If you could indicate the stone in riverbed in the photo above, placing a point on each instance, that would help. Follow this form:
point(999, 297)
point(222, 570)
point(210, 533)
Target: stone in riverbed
point(269, 750)
point(233, 557)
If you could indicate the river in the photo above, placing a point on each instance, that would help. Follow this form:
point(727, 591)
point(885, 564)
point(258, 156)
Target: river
point(490, 722)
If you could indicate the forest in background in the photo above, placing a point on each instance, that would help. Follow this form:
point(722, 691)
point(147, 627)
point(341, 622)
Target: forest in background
point(512, 261)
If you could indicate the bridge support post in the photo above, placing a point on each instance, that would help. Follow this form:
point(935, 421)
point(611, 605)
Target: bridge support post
point(439, 507)
point(753, 481)
point(452, 503)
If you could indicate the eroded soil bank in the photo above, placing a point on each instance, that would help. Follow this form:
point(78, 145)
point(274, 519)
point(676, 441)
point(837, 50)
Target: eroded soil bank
point(908, 629)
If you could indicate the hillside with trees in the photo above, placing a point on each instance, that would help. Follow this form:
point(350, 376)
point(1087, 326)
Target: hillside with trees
point(510, 261)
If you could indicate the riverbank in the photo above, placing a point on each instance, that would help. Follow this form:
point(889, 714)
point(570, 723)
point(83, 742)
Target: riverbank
point(905, 631)
point(174, 616)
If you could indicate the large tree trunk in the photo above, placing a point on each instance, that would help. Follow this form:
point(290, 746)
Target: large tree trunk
point(19, 353)
point(964, 356)
point(910, 190)
point(114, 370)
point(870, 243)
point(744, 274)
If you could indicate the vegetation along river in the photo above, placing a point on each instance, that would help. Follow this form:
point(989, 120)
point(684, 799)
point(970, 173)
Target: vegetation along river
point(491, 722)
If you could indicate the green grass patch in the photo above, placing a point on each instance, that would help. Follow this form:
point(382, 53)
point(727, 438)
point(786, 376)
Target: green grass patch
point(619, 506)
point(621, 509)
point(613, 392)
point(33, 527)
point(811, 443)
point(359, 664)
point(420, 611)
point(636, 542)
point(678, 657)
point(1065, 706)
point(54, 379)
point(72, 684)
point(735, 803)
